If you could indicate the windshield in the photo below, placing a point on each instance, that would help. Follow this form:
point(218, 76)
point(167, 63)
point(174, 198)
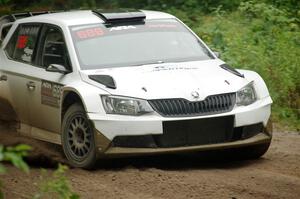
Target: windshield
point(155, 41)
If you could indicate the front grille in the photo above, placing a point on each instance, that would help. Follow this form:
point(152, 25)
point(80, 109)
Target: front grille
point(181, 107)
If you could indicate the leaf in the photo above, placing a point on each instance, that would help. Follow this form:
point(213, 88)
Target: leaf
point(16, 160)
point(23, 147)
point(24, 167)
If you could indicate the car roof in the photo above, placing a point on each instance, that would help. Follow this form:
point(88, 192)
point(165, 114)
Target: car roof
point(81, 17)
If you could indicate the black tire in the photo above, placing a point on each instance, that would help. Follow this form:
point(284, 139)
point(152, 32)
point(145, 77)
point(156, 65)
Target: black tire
point(251, 152)
point(77, 138)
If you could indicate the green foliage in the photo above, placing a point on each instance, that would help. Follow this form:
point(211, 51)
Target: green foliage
point(15, 156)
point(56, 186)
point(265, 39)
point(3, 2)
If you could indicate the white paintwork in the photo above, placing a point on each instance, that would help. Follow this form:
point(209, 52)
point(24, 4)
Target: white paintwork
point(172, 80)
point(168, 80)
point(112, 125)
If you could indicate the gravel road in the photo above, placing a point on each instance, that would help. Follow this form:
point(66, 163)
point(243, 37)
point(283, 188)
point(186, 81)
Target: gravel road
point(275, 175)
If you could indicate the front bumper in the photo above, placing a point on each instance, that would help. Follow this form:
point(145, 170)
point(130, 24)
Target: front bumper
point(111, 126)
point(261, 138)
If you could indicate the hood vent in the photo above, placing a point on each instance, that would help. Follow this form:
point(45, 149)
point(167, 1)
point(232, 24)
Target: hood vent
point(232, 70)
point(106, 80)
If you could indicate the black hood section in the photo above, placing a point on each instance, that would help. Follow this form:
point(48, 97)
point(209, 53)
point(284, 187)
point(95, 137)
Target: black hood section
point(232, 70)
point(120, 16)
point(106, 80)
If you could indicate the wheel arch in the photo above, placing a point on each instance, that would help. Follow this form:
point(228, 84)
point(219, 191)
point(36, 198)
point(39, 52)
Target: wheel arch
point(86, 94)
point(69, 97)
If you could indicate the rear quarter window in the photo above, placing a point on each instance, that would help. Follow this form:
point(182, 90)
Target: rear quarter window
point(10, 47)
point(22, 45)
point(4, 32)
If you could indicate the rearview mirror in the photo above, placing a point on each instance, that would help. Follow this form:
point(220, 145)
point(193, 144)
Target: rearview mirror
point(57, 68)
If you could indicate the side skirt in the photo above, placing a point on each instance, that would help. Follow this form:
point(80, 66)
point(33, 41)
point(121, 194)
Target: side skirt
point(40, 134)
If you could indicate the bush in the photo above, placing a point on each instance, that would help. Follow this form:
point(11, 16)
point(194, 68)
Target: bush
point(15, 156)
point(265, 39)
point(56, 186)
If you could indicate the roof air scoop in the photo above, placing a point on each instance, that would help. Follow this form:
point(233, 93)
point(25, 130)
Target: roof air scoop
point(120, 16)
point(232, 70)
point(106, 80)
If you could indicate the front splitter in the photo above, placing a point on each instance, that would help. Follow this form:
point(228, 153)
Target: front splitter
point(122, 151)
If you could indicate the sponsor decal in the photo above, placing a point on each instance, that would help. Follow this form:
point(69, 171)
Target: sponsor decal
point(22, 41)
point(195, 94)
point(51, 94)
point(89, 33)
point(118, 28)
point(171, 68)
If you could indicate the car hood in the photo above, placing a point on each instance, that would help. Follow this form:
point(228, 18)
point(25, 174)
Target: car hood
point(170, 80)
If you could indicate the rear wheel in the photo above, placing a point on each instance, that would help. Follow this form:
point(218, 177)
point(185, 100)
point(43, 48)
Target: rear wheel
point(78, 138)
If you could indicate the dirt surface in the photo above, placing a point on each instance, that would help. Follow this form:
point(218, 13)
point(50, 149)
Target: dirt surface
point(275, 175)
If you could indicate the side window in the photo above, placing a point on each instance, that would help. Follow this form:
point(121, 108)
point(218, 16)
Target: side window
point(23, 43)
point(4, 31)
point(11, 45)
point(55, 51)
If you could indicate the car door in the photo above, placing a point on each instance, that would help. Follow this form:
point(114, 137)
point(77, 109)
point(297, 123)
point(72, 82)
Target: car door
point(46, 92)
point(7, 112)
point(17, 68)
point(4, 104)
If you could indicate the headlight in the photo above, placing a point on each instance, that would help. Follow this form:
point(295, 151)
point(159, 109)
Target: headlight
point(246, 95)
point(125, 106)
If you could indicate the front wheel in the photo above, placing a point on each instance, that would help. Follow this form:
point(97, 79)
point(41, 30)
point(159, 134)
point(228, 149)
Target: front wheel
point(78, 140)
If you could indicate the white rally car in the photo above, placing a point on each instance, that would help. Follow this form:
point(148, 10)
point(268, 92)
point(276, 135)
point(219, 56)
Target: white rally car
point(126, 83)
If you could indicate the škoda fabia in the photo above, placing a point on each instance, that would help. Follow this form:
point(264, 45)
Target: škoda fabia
point(126, 83)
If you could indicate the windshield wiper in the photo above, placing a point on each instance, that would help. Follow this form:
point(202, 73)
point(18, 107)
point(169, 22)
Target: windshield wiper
point(149, 63)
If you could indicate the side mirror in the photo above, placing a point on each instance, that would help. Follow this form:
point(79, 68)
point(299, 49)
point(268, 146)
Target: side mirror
point(218, 54)
point(57, 68)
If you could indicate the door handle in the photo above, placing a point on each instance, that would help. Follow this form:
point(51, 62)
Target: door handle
point(3, 78)
point(31, 86)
